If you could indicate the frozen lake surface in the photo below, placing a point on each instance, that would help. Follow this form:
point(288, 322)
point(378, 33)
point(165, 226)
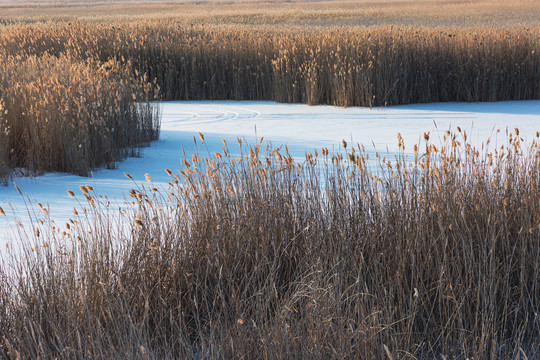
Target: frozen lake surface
point(302, 128)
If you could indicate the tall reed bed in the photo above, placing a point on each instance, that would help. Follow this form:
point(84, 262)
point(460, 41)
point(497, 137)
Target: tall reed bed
point(68, 90)
point(59, 113)
point(365, 66)
point(430, 255)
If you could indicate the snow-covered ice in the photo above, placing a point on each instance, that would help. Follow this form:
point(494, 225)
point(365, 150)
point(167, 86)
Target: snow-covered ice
point(302, 128)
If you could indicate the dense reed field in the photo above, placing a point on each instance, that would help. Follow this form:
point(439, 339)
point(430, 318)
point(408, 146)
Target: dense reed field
point(434, 255)
point(281, 13)
point(61, 111)
point(64, 112)
point(346, 67)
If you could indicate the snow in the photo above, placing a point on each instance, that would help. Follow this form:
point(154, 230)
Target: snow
point(302, 128)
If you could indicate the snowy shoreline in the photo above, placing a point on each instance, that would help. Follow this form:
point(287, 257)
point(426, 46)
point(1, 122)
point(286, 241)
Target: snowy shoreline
point(300, 127)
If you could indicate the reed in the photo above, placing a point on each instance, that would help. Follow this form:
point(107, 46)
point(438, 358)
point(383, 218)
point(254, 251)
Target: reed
point(64, 114)
point(434, 254)
point(360, 66)
point(281, 14)
point(100, 70)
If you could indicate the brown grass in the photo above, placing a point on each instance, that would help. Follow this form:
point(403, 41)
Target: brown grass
point(434, 255)
point(346, 67)
point(64, 114)
point(242, 51)
point(276, 13)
